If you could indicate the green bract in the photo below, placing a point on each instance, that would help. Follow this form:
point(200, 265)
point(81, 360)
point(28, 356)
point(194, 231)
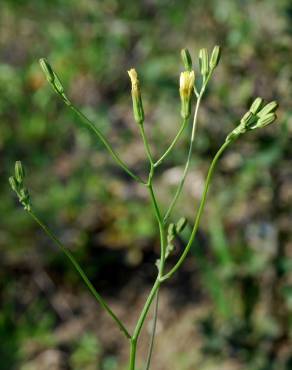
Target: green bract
point(186, 59)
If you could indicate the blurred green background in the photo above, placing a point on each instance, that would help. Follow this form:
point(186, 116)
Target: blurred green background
point(230, 306)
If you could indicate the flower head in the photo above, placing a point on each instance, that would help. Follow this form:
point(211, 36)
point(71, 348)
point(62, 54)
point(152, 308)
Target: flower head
point(186, 87)
point(258, 116)
point(134, 80)
point(136, 96)
point(186, 84)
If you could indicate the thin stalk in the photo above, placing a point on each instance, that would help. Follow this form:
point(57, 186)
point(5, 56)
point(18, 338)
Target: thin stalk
point(153, 332)
point(105, 142)
point(146, 309)
point(187, 165)
point(183, 126)
point(146, 145)
point(152, 194)
point(155, 288)
point(133, 351)
point(161, 229)
point(199, 214)
point(140, 323)
point(81, 273)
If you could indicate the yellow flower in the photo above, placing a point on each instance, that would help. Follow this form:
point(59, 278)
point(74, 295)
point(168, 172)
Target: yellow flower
point(186, 84)
point(134, 81)
point(186, 87)
point(136, 97)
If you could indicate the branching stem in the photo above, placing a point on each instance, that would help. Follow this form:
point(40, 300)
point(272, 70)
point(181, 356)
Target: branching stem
point(199, 214)
point(81, 273)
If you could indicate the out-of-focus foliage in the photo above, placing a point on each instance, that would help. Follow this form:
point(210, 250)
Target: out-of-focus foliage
point(245, 249)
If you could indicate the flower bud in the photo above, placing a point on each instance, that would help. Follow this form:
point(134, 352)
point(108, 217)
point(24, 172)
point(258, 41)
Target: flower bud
point(256, 105)
point(171, 231)
point(215, 57)
point(51, 76)
point(269, 108)
point(19, 172)
point(25, 199)
point(266, 120)
point(13, 183)
point(136, 97)
point(204, 61)
point(186, 87)
point(247, 117)
point(186, 59)
point(169, 249)
point(181, 224)
point(47, 69)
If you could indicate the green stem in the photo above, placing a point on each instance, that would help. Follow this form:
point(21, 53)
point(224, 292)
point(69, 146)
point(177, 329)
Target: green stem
point(146, 144)
point(187, 165)
point(133, 350)
point(81, 273)
point(105, 142)
point(140, 323)
point(183, 126)
point(146, 309)
point(151, 345)
point(199, 214)
point(156, 285)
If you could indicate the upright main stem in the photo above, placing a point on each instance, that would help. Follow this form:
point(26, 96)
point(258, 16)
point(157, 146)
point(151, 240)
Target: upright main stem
point(161, 224)
point(151, 345)
point(157, 283)
point(140, 323)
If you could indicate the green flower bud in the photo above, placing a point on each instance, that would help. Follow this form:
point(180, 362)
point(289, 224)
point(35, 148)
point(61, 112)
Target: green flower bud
point(136, 97)
point(171, 232)
point(47, 69)
point(24, 199)
point(247, 118)
point(19, 172)
point(256, 105)
point(52, 77)
point(215, 57)
point(269, 108)
point(171, 229)
point(266, 120)
point(169, 249)
point(23, 194)
point(181, 224)
point(186, 59)
point(13, 183)
point(204, 61)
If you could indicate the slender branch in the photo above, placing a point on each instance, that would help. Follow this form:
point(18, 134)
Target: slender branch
point(81, 273)
point(146, 309)
point(141, 322)
point(187, 165)
point(183, 126)
point(146, 144)
point(199, 214)
point(151, 345)
point(105, 142)
point(155, 288)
